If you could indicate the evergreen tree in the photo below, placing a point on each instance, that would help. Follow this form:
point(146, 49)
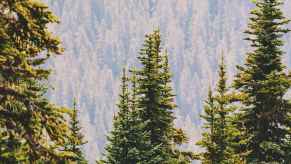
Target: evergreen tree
point(149, 90)
point(156, 99)
point(141, 149)
point(263, 83)
point(76, 140)
point(116, 150)
point(31, 128)
point(144, 131)
point(219, 140)
point(210, 137)
point(227, 131)
point(223, 112)
point(128, 141)
point(167, 103)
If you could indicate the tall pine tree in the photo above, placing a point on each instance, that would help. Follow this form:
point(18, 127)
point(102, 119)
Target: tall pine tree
point(156, 98)
point(117, 149)
point(220, 136)
point(210, 137)
point(31, 128)
point(149, 90)
point(262, 82)
point(128, 141)
point(76, 140)
point(141, 149)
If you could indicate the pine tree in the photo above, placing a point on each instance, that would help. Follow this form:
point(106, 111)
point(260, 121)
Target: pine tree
point(222, 100)
point(116, 150)
point(150, 92)
point(31, 128)
point(156, 99)
point(128, 141)
point(211, 155)
point(76, 140)
point(263, 83)
point(219, 140)
point(167, 103)
point(141, 150)
point(227, 131)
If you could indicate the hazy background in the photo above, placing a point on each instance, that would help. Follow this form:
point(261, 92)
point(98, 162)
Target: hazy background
point(102, 36)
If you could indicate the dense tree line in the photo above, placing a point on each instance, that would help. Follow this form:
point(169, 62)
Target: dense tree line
point(144, 130)
point(259, 126)
point(245, 121)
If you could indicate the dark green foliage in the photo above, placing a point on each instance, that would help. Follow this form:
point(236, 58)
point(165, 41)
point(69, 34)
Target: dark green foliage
point(150, 85)
point(128, 141)
point(156, 99)
point(149, 90)
point(116, 151)
point(143, 131)
point(219, 139)
point(262, 82)
point(31, 128)
point(222, 113)
point(211, 154)
point(76, 140)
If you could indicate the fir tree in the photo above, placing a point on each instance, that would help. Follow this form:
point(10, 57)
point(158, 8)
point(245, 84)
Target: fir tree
point(263, 83)
point(149, 90)
point(116, 150)
point(227, 131)
point(76, 140)
point(219, 140)
point(222, 100)
point(128, 141)
point(156, 99)
point(31, 128)
point(209, 138)
point(141, 149)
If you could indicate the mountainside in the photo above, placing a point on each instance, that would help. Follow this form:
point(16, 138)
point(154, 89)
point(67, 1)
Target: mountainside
point(102, 36)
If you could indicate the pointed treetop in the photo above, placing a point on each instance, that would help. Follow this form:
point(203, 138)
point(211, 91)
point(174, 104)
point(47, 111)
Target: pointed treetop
point(124, 95)
point(124, 76)
point(210, 95)
point(221, 86)
point(74, 103)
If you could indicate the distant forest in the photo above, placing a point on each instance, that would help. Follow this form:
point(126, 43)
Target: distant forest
point(246, 122)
